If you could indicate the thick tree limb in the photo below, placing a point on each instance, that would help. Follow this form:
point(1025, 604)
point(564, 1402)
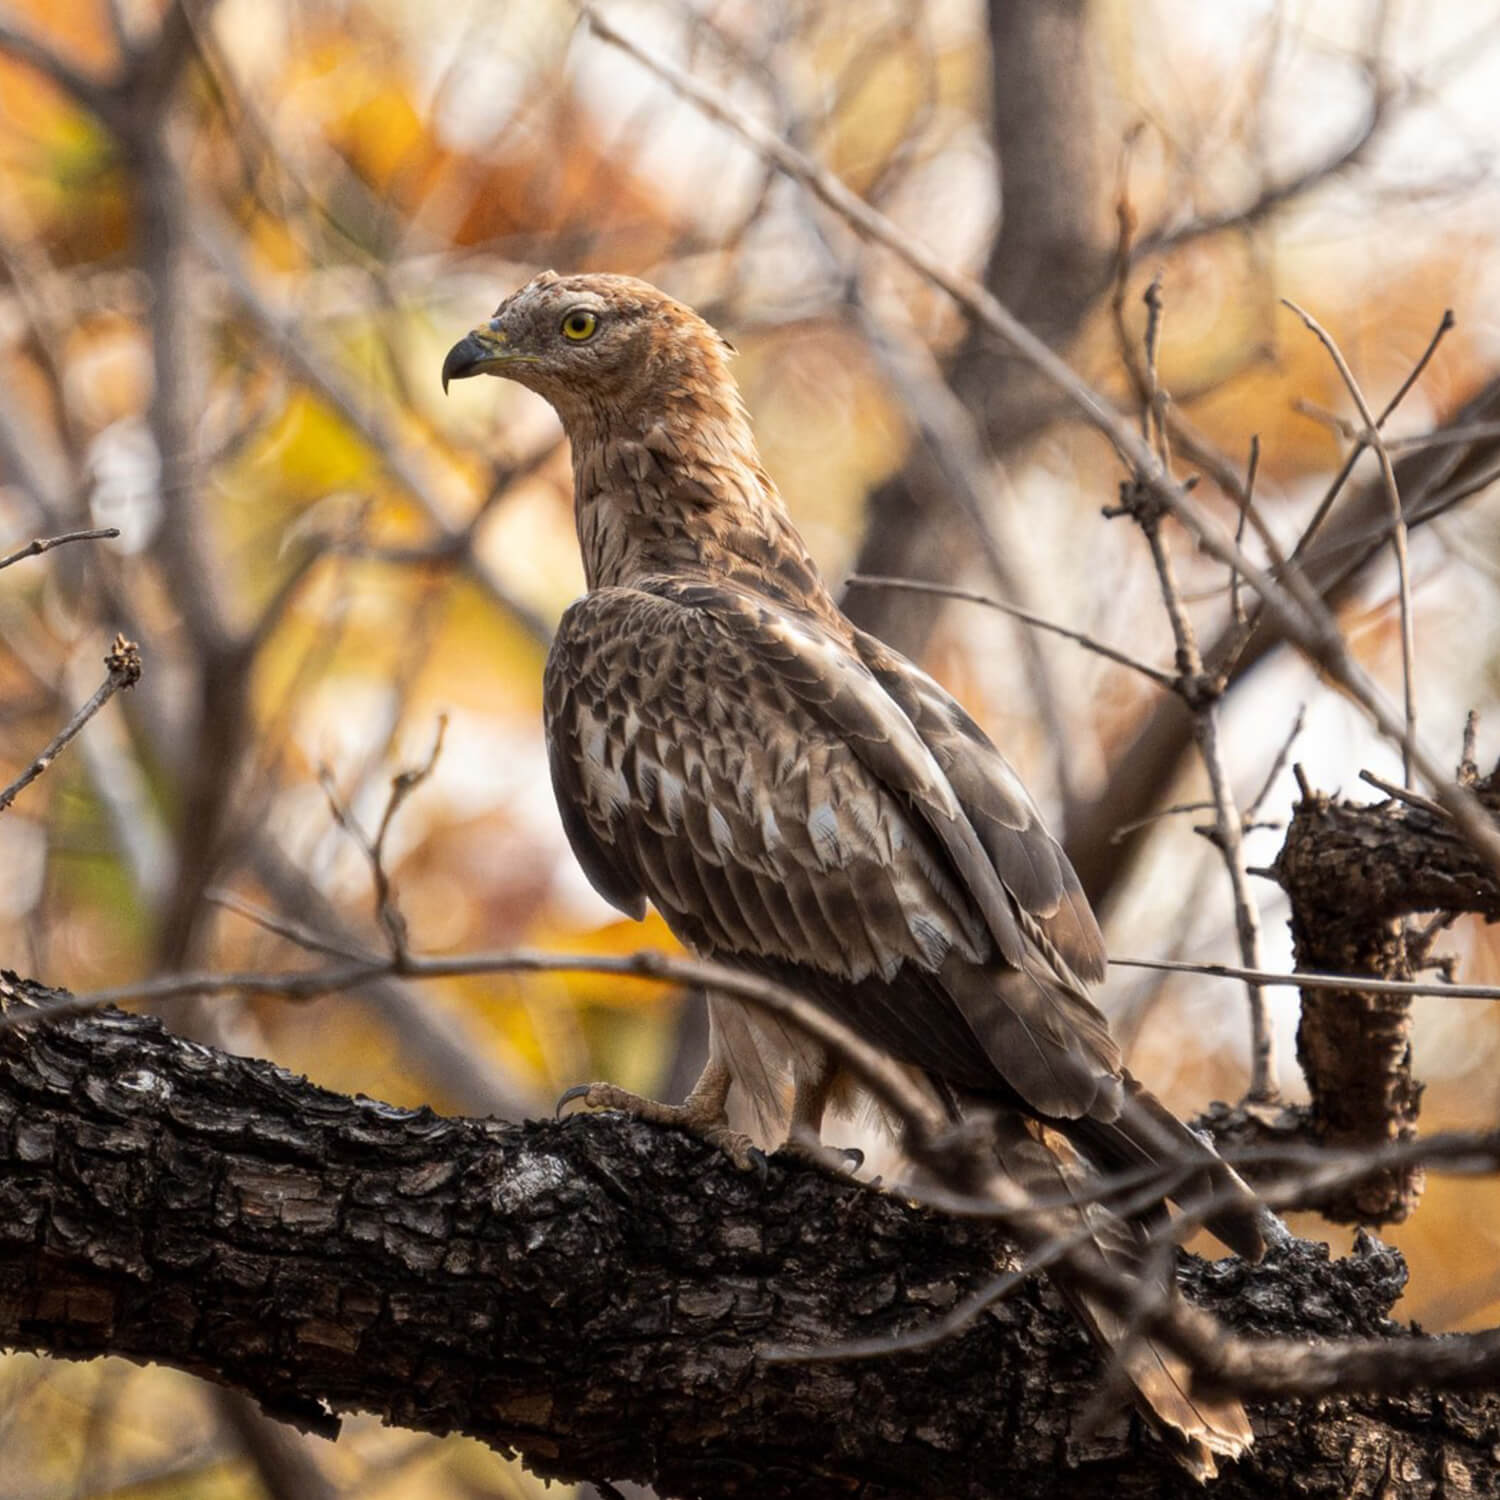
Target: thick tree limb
point(1354, 874)
point(592, 1294)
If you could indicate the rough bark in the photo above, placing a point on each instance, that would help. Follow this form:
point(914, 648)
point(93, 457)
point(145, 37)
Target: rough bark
point(1353, 875)
point(592, 1294)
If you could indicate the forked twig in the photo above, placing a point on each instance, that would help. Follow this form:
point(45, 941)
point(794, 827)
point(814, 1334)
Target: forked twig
point(124, 663)
point(1372, 438)
point(1200, 692)
point(403, 784)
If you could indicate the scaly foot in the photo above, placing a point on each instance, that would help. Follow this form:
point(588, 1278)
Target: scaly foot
point(700, 1114)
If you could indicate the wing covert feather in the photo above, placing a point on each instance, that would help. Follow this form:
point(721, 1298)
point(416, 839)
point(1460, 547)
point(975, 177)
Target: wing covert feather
point(692, 773)
point(1025, 855)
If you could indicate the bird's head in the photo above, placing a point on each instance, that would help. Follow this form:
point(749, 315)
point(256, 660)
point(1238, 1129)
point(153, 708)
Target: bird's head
point(593, 343)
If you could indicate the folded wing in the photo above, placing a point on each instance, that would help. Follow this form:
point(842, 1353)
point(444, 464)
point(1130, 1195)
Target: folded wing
point(747, 771)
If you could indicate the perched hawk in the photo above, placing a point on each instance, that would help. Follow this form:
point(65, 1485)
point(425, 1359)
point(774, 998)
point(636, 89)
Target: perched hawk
point(799, 800)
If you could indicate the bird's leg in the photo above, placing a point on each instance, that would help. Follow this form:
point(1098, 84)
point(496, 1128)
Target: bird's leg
point(804, 1141)
point(703, 1113)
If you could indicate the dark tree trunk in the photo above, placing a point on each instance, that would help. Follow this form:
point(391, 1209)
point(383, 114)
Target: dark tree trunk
point(1047, 264)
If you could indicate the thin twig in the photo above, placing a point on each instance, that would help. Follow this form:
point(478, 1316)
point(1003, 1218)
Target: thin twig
point(1176, 810)
point(1246, 502)
point(124, 663)
point(1468, 767)
point(1201, 693)
point(1277, 765)
point(1175, 428)
point(1405, 794)
point(1393, 494)
point(1445, 325)
point(403, 784)
point(951, 591)
point(303, 937)
point(1445, 437)
point(1152, 419)
point(46, 544)
point(1313, 980)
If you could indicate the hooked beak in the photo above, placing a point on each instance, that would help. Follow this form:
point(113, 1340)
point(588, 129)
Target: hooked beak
point(475, 353)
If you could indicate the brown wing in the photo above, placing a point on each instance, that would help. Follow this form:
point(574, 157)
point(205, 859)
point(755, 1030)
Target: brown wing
point(749, 773)
point(1026, 857)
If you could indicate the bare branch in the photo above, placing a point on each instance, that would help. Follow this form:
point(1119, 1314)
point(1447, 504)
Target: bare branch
point(124, 663)
point(46, 544)
point(1404, 794)
point(1393, 494)
point(951, 591)
point(1314, 981)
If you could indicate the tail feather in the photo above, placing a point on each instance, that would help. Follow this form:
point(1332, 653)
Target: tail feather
point(1146, 1134)
point(1052, 1049)
point(1200, 1429)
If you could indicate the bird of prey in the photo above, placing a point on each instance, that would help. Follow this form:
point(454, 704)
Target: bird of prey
point(799, 800)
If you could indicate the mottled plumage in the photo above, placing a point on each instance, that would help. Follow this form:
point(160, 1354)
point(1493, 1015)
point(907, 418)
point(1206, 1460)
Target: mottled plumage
point(798, 799)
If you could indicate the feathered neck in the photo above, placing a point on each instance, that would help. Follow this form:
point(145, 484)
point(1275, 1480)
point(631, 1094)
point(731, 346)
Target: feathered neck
point(673, 486)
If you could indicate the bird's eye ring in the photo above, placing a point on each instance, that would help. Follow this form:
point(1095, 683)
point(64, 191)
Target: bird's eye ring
point(579, 325)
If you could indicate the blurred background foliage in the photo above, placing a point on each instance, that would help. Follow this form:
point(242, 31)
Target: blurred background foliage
point(236, 240)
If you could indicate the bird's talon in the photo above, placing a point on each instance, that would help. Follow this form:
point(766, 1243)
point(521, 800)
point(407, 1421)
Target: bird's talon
point(578, 1091)
point(699, 1117)
point(837, 1161)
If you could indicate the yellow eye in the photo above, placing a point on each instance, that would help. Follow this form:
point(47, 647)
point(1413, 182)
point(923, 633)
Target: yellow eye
point(579, 325)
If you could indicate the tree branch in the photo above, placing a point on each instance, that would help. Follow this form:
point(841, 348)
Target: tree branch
point(1353, 875)
point(592, 1294)
point(124, 664)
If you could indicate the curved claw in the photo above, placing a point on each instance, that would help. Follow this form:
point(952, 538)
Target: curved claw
point(761, 1163)
point(568, 1096)
point(836, 1161)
